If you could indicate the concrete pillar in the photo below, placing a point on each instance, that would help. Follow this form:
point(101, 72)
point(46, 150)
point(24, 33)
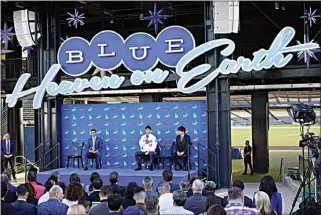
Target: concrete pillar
point(260, 128)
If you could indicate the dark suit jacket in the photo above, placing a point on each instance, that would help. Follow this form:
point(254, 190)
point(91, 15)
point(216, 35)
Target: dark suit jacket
point(101, 208)
point(94, 196)
point(11, 194)
point(24, 208)
point(213, 197)
point(195, 204)
point(118, 189)
point(182, 146)
point(128, 201)
point(7, 208)
point(4, 148)
point(98, 144)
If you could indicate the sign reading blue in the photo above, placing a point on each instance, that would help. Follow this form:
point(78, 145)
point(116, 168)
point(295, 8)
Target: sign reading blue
point(140, 53)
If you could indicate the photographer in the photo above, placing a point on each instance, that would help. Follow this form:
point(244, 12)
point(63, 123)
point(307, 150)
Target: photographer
point(317, 168)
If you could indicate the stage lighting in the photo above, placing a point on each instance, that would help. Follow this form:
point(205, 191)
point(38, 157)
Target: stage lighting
point(25, 27)
point(277, 5)
point(303, 114)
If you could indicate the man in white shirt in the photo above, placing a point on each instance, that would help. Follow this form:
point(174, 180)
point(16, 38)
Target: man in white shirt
point(166, 197)
point(147, 144)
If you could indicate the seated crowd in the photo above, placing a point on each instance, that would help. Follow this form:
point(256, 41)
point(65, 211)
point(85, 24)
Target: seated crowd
point(101, 197)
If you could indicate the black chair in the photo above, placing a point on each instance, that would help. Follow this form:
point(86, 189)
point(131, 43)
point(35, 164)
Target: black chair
point(145, 158)
point(163, 157)
point(76, 156)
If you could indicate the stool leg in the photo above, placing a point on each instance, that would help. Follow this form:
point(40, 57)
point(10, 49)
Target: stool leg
point(82, 163)
point(73, 163)
point(67, 162)
point(78, 162)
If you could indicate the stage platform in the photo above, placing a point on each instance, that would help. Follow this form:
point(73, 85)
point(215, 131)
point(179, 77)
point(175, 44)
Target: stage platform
point(125, 175)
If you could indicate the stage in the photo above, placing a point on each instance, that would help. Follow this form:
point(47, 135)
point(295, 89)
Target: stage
point(125, 175)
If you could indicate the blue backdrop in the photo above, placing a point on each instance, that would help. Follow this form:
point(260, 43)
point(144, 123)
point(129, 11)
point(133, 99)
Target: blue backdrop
point(121, 125)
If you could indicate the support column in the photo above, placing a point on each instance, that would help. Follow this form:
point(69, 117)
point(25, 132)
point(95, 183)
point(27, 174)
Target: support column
point(14, 125)
point(151, 98)
point(260, 128)
point(219, 123)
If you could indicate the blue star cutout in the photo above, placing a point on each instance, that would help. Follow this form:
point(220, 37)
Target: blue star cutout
point(76, 18)
point(310, 17)
point(307, 54)
point(156, 17)
point(6, 35)
point(28, 49)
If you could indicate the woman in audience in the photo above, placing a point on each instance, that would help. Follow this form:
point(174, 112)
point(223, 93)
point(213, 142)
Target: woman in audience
point(263, 203)
point(216, 210)
point(76, 210)
point(32, 193)
point(128, 199)
point(93, 176)
point(74, 192)
point(268, 186)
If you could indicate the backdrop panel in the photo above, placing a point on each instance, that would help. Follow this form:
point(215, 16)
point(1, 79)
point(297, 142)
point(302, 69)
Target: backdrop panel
point(121, 125)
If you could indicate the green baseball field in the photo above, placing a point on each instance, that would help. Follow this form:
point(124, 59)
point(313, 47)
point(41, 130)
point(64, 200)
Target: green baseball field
point(280, 138)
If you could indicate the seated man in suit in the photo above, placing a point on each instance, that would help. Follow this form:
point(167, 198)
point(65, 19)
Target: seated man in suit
point(93, 148)
point(94, 196)
point(181, 146)
point(21, 206)
point(147, 144)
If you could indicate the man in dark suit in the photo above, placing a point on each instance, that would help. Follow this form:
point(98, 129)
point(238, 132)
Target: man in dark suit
point(94, 196)
point(196, 203)
point(21, 206)
point(102, 207)
point(212, 199)
point(7, 153)
point(93, 148)
point(6, 208)
point(114, 179)
point(182, 143)
point(247, 201)
point(11, 192)
point(168, 177)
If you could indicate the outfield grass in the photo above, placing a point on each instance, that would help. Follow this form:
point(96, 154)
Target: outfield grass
point(279, 135)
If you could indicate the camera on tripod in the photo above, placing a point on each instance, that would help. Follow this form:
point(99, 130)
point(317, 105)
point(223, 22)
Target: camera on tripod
point(311, 141)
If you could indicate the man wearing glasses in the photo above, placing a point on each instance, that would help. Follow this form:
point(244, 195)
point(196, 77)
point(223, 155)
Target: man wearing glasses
point(93, 149)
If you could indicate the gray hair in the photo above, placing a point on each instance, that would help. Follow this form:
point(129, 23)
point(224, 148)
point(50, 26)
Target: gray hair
point(5, 179)
point(235, 193)
point(165, 186)
point(140, 196)
point(55, 190)
point(198, 186)
point(210, 186)
point(184, 185)
point(148, 181)
point(179, 197)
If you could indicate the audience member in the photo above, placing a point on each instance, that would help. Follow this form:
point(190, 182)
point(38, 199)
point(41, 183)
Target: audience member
point(94, 196)
point(48, 185)
point(87, 204)
point(93, 176)
point(54, 205)
point(114, 179)
point(32, 193)
point(74, 178)
point(166, 197)
point(139, 197)
point(168, 178)
point(129, 195)
point(212, 199)
point(247, 201)
point(6, 208)
point(263, 203)
point(11, 195)
point(179, 200)
point(152, 205)
point(76, 210)
point(148, 186)
point(196, 202)
point(59, 183)
point(73, 193)
point(184, 186)
point(22, 207)
point(11, 187)
point(268, 186)
point(235, 203)
point(102, 207)
point(191, 181)
point(39, 189)
point(114, 204)
point(216, 210)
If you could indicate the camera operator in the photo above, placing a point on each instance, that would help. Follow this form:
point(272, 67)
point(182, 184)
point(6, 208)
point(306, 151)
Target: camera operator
point(317, 168)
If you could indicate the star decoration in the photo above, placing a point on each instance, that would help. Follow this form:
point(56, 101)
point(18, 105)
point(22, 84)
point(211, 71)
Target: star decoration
point(307, 54)
point(63, 40)
point(6, 35)
point(28, 49)
point(156, 17)
point(76, 18)
point(310, 16)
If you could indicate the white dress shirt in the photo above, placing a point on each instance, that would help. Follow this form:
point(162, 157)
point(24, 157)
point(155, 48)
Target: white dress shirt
point(148, 144)
point(44, 198)
point(69, 203)
point(165, 202)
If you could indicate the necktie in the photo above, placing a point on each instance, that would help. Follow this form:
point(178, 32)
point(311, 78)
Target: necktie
point(8, 147)
point(94, 143)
